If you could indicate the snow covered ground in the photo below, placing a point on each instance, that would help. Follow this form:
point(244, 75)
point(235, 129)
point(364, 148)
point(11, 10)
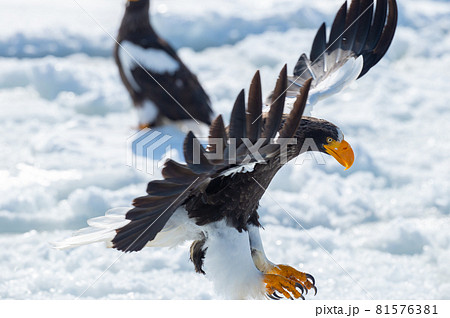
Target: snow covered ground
point(379, 230)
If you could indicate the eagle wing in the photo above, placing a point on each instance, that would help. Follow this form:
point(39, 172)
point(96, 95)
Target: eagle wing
point(359, 37)
point(182, 181)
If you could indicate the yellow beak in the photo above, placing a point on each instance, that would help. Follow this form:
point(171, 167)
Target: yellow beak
point(342, 152)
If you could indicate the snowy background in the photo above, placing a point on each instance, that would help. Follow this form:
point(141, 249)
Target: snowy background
point(380, 229)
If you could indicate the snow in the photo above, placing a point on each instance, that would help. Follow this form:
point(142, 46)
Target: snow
point(379, 229)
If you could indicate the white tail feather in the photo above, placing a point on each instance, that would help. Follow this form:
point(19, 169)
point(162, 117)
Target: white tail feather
point(178, 230)
point(101, 229)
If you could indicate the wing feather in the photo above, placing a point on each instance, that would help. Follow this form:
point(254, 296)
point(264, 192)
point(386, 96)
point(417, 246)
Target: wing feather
point(292, 123)
point(352, 21)
point(277, 106)
point(372, 57)
point(217, 131)
point(194, 154)
point(377, 26)
point(335, 41)
point(319, 44)
point(364, 26)
point(149, 217)
point(238, 126)
point(175, 171)
point(254, 108)
point(357, 30)
point(163, 188)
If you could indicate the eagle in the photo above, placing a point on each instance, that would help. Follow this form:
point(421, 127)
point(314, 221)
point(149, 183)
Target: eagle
point(212, 198)
point(162, 87)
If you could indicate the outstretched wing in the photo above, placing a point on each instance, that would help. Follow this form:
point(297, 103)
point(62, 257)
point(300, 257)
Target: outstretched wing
point(229, 151)
point(152, 70)
point(359, 37)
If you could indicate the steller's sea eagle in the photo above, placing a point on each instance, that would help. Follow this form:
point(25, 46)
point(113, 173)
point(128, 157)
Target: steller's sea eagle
point(159, 83)
point(213, 199)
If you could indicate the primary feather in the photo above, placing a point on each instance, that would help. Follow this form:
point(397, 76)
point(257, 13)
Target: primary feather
point(359, 37)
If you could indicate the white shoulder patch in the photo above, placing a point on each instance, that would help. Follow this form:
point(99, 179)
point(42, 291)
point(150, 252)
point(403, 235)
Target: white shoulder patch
point(239, 169)
point(327, 85)
point(334, 82)
point(154, 60)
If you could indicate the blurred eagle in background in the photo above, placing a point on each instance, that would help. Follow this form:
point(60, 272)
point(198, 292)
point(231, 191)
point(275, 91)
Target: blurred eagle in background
point(161, 86)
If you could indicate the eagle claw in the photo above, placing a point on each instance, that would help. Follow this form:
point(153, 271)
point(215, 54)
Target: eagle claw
point(285, 286)
point(271, 296)
point(311, 278)
point(274, 296)
point(302, 281)
point(299, 286)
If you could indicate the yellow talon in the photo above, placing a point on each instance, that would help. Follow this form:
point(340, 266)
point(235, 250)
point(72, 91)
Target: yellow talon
point(283, 285)
point(289, 272)
point(305, 280)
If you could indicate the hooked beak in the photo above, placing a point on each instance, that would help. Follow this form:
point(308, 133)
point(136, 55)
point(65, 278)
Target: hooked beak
point(342, 152)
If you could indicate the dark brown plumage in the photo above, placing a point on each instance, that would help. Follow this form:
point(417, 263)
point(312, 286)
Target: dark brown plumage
point(198, 255)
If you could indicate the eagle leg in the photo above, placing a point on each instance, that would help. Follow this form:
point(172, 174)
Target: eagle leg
point(278, 276)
